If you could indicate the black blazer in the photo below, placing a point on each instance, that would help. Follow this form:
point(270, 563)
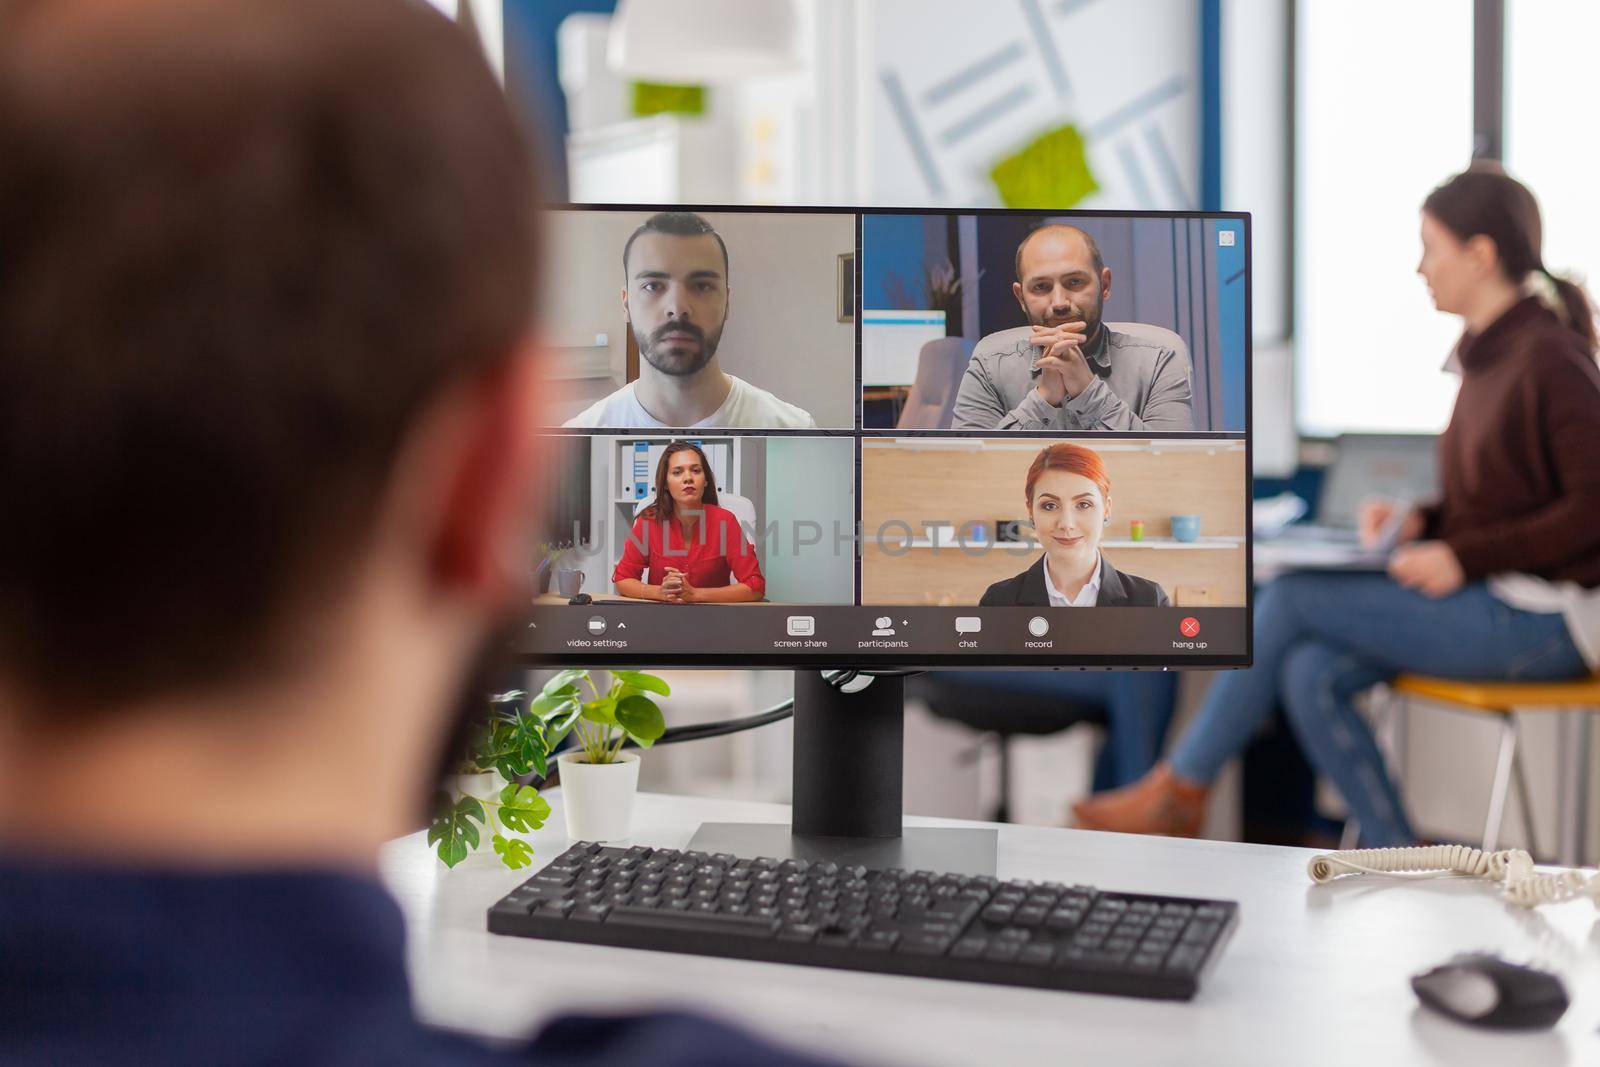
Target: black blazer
point(1117, 590)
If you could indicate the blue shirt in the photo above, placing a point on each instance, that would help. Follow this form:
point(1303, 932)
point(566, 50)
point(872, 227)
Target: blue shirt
point(114, 966)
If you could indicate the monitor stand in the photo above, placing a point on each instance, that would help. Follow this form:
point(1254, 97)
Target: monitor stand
point(849, 754)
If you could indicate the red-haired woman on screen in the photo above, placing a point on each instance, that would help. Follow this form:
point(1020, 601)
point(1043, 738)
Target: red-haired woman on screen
point(1069, 502)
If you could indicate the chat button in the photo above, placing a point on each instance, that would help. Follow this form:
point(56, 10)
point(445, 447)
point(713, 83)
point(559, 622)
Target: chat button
point(968, 624)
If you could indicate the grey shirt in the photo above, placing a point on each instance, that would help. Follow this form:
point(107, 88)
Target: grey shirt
point(1139, 384)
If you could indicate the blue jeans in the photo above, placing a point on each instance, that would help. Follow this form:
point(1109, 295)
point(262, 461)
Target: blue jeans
point(1138, 707)
point(1322, 638)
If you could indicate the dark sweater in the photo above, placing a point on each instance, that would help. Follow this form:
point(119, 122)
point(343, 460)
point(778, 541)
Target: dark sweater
point(111, 966)
point(1519, 464)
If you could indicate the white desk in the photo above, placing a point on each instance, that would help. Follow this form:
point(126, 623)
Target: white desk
point(1313, 974)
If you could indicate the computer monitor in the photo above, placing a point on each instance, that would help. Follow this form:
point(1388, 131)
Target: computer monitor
point(731, 489)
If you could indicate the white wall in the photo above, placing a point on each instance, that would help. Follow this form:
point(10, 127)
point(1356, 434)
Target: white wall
point(783, 332)
point(810, 479)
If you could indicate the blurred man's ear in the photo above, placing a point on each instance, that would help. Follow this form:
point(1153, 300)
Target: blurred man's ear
point(488, 481)
point(626, 317)
point(1016, 291)
point(1105, 283)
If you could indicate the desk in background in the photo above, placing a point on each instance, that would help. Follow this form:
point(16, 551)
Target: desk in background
point(1314, 974)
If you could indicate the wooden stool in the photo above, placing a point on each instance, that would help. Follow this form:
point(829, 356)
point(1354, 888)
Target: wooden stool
point(1505, 699)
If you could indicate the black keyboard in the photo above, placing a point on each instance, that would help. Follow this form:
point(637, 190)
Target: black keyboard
point(968, 928)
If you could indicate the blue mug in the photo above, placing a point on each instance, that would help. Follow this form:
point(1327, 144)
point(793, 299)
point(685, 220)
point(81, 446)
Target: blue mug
point(1186, 527)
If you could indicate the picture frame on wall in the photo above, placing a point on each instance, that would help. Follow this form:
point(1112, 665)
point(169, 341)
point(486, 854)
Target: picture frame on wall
point(845, 287)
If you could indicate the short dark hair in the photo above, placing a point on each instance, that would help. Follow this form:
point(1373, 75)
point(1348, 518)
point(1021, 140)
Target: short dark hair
point(1094, 246)
point(242, 247)
point(677, 224)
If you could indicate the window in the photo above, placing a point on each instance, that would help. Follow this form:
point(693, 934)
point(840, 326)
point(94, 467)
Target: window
point(1552, 82)
point(1383, 114)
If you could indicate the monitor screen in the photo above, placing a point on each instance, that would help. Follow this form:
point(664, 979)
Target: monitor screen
point(870, 437)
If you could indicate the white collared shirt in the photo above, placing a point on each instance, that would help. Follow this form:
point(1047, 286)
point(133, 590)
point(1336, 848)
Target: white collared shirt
point(1086, 596)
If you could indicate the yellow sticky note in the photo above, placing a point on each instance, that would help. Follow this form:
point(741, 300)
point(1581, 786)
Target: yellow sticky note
point(651, 98)
point(1052, 171)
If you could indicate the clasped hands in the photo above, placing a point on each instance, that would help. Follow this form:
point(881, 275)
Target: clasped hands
point(1063, 371)
point(676, 588)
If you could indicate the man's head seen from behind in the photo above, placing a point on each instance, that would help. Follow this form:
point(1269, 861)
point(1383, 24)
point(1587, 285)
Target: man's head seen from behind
point(266, 393)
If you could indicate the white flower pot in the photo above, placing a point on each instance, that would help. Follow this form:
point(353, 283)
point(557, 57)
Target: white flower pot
point(598, 797)
point(485, 785)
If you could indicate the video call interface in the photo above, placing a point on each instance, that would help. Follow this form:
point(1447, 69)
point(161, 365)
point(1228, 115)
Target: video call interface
point(927, 438)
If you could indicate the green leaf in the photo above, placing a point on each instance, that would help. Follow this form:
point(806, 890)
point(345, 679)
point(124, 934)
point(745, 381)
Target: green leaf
point(522, 809)
point(452, 829)
point(563, 680)
point(514, 852)
point(641, 718)
point(602, 711)
point(503, 751)
point(546, 704)
point(646, 682)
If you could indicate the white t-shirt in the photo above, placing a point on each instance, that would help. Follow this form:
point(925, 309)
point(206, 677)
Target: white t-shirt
point(746, 407)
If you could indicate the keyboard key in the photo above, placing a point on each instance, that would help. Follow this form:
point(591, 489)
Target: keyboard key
point(1186, 959)
point(923, 945)
point(1037, 955)
point(1063, 919)
point(969, 948)
point(693, 922)
point(1002, 951)
point(1200, 932)
point(998, 913)
point(879, 940)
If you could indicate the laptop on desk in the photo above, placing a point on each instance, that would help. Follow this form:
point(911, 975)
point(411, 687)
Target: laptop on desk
point(1401, 466)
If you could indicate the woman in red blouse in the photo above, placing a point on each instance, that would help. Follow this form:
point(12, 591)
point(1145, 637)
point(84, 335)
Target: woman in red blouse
point(689, 546)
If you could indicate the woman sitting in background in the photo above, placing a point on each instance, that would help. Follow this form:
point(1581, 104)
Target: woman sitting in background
point(1496, 580)
point(1068, 493)
point(689, 546)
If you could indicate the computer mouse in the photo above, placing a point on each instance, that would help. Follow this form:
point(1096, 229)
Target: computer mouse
point(582, 598)
point(1485, 990)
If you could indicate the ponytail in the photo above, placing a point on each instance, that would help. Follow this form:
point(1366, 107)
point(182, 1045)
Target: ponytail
point(1578, 308)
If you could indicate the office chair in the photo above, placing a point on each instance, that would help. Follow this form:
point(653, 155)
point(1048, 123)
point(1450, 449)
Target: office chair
point(974, 699)
point(940, 367)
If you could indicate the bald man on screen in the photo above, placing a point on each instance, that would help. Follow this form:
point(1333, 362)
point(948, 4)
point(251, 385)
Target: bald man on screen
point(1067, 369)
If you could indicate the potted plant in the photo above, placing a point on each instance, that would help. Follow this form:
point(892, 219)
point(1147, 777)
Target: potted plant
point(485, 800)
point(599, 779)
